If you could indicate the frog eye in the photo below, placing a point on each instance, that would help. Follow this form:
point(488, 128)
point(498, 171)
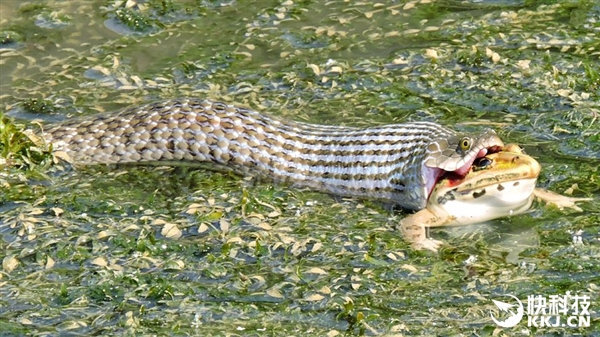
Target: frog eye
point(465, 144)
point(481, 163)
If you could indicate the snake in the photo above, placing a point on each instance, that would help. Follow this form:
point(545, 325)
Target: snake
point(397, 163)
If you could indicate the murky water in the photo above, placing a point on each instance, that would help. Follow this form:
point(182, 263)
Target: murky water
point(181, 251)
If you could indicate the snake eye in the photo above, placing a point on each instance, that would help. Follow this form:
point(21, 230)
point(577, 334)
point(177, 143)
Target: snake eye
point(465, 144)
point(481, 163)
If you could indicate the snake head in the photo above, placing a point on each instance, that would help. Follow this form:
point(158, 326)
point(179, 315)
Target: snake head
point(456, 154)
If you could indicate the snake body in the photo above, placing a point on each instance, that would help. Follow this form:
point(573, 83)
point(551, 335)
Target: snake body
point(398, 163)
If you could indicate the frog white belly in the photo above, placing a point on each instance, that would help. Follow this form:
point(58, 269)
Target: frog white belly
point(515, 197)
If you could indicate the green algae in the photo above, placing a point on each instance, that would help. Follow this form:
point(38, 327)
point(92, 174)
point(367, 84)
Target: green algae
point(162, 250)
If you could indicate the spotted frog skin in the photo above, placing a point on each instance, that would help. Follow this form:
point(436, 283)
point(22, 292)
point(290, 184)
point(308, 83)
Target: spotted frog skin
point(497, 185)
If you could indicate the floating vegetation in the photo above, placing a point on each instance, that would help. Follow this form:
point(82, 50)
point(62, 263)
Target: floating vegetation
point(177, 250)
point(21, 149)
point(9, 39)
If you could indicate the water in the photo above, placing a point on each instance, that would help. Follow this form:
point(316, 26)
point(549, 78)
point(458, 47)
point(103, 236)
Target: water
point(85, 251)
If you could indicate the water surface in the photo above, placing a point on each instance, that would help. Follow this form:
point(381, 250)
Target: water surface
point(161, 250)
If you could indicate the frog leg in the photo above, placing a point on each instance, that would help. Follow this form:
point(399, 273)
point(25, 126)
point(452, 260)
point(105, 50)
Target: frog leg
point(414, 229)
point(558, 200)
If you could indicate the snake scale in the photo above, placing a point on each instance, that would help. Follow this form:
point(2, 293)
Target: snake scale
point(399, 163)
